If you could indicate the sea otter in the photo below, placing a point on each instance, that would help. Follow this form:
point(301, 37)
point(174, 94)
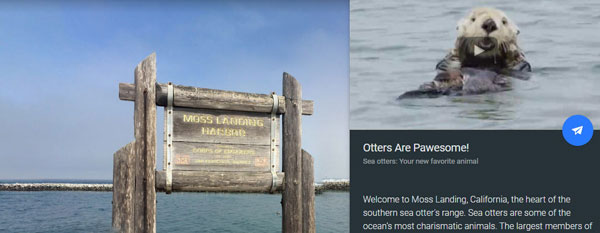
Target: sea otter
point(485, 55)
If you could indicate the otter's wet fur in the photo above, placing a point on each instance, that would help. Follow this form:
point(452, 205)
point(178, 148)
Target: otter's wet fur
point(467, 81)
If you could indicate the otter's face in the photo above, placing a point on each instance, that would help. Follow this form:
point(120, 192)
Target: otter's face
point(488, 22)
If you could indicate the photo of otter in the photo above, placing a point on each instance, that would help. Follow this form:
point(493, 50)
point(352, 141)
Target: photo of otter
point(486, 55)
point(471, 64)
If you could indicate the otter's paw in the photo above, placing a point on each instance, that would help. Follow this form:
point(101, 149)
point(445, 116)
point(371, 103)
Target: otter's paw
point(428, 86)
point(523, 66)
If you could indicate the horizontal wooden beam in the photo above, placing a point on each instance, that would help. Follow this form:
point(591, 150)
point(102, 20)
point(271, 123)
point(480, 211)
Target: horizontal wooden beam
point(209, 181)
point(195, 97)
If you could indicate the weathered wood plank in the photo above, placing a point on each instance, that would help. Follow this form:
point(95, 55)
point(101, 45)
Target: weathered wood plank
point(308, 193)
point(307, 107)
point(221, 126)
point(164, 139)
point(192, 156)
point(123, 187)
point(206, 181)
point(292, 161)
point(221, 140)
point(195, 97)
point(145, 145)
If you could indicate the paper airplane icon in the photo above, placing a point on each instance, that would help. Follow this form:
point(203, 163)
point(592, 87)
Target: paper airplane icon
point(477, 50)
point(577, 130)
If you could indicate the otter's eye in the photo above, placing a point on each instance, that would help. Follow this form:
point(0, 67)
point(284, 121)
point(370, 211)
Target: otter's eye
point(504, 21)
point(472, 19)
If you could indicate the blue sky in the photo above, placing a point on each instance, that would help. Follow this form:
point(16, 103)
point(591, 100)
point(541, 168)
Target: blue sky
point(61, 63)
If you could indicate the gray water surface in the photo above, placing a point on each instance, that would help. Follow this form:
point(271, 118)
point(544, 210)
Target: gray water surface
point(179, 212)
point(395, 45)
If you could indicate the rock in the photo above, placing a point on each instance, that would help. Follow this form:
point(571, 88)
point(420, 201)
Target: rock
point(332, 185)
point(55, 187)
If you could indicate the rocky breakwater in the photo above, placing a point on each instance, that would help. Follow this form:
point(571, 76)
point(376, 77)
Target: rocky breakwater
point(55, 187)
point(332, 185)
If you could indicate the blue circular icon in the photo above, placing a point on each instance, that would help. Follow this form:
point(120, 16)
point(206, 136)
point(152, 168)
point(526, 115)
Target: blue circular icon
point(577, 130)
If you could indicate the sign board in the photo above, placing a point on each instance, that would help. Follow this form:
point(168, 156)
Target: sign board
point(222, 140)
point(215, 141)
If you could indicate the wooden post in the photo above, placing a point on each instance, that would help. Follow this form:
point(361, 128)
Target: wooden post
point(308, 193)
point(145, 145)
point(292, 160)
point(123, 186)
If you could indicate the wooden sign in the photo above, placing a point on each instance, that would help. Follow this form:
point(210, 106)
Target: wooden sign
point(215, 141)
point(221, 140)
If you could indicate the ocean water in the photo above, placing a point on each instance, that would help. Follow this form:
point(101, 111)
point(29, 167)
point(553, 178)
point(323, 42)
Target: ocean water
point(178, 212)
point(395, 45)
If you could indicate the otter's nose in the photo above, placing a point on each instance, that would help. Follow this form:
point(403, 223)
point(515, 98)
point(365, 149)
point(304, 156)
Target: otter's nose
point(489, 26)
